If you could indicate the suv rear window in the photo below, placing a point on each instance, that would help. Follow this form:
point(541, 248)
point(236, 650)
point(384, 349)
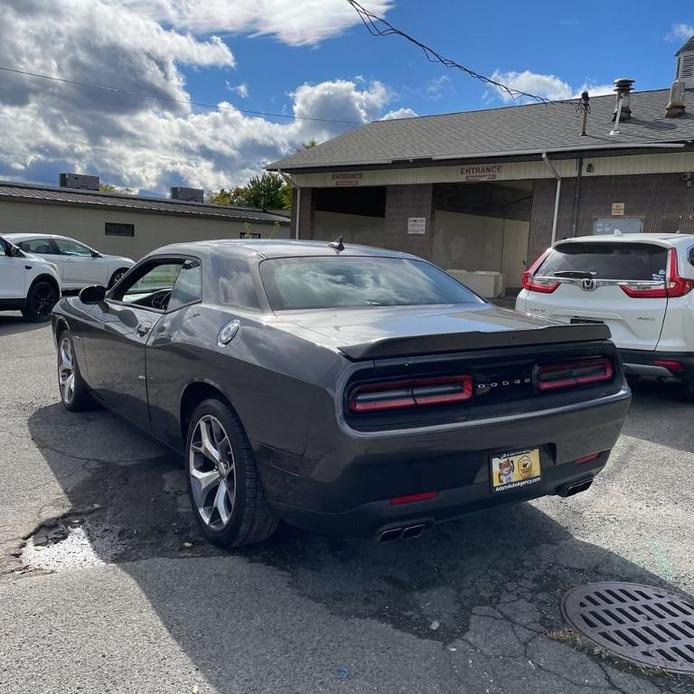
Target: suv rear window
point(352, 281)
point(608, 261)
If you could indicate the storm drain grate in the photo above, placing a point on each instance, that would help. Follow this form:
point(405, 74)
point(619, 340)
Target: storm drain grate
point(643, 624)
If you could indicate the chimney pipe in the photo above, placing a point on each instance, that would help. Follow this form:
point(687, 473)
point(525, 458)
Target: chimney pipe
point(675, 107)
point(623, 87)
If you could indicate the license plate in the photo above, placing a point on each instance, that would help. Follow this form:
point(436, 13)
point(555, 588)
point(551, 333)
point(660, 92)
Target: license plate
point(515, 469)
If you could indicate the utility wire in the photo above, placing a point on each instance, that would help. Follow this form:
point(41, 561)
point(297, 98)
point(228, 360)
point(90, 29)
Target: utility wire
point(118, 90)
point(378, 26)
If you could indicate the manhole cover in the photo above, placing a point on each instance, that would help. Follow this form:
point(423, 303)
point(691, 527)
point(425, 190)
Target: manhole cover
point(645, 625)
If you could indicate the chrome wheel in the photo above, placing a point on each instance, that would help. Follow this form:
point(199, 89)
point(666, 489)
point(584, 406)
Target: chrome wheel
point(212, 472)
point(66, 370)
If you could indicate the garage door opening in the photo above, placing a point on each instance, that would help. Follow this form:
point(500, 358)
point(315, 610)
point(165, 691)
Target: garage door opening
point(358, 214)
point(481, 233)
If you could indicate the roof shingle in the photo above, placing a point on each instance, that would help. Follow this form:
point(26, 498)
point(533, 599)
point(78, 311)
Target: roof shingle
point(498, 132)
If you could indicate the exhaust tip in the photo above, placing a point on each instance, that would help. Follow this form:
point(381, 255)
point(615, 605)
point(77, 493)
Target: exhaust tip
point(390, 535)
point(413, 531)
point(576, 488)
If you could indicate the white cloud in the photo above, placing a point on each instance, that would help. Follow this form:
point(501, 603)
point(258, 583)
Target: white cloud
point(399, 113)
point(241, 90)
point(138, 142)
point(294, 22)
point(547, 86)
point(438, 87)
point(680, 32)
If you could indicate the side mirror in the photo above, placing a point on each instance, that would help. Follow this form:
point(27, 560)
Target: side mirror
point(93, 295)
point(96, 254)
point(16, 252)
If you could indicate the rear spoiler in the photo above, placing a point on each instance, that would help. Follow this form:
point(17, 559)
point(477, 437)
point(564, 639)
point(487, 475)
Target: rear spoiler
point(458, 342)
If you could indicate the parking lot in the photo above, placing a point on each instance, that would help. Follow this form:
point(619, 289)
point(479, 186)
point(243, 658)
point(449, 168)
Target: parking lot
point(106, 584)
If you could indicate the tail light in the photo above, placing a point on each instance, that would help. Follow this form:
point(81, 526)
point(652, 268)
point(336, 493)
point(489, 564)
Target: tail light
point(538, 284)
point(576, 373)
point(674, 286)
point(413, 392)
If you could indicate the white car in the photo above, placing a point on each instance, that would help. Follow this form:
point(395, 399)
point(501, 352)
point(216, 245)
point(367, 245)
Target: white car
point(79, 265)
point(640, 285)
point(27, 283)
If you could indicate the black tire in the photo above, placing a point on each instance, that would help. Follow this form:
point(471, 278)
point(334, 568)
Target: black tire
point(41, 298)
point(115, 277)
point(251, 519)
point(688, 390)
point(76, 398)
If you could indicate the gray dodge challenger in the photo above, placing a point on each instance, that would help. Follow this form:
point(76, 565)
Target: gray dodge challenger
point(344, 389)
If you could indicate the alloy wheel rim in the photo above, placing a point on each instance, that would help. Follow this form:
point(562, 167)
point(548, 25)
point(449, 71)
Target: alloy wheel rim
point(66, 370)
point(212, 471)
point(43, 300)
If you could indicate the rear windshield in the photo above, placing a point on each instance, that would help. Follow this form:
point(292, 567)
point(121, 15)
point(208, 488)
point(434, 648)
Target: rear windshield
point(608, 261)
point(352, 281)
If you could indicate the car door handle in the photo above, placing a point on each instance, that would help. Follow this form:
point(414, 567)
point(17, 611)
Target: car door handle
point(143, 328)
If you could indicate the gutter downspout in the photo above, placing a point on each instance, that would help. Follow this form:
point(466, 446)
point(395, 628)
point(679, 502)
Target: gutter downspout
point(557, 195)
point(293, 184)
point(577, 197)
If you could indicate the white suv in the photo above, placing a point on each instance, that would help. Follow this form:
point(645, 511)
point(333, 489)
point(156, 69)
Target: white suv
point(640, 285)
point(27, 283)
point(78, 264)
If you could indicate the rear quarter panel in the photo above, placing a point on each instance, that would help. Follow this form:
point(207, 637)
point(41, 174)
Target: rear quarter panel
point(270, 377)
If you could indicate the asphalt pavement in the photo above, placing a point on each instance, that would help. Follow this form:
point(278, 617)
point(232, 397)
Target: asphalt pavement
point(107, 586)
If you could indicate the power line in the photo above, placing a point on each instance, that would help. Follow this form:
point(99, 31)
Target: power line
point(119, 90)
point(377, 26)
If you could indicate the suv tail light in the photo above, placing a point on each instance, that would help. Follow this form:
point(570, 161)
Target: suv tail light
point(674, 286)
point(576, 373)
point(413, 392)
point(539, 284)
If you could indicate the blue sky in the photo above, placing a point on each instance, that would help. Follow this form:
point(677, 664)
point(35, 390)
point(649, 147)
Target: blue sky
point(311, 58)
point(582, 43)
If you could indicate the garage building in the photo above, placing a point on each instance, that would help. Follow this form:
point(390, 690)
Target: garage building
point(489, 190)
point(129, 225)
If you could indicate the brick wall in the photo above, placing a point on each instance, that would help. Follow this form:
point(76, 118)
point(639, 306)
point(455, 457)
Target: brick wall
point(403, 202)
point(662, 200)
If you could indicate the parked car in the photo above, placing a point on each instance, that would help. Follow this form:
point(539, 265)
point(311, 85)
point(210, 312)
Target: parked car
point(79, 265)
point(27, 283)
point(349, 390)
point(639, 285)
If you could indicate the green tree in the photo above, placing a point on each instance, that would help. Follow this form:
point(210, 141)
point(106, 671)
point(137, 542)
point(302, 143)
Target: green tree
point(107, 188)
point(266, 192)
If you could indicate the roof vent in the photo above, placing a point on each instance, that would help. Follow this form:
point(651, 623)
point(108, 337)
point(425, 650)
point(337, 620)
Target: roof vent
point(187, 194)
point(622, 107)
point(81, 181)
point(685, 64)
point(675, 106)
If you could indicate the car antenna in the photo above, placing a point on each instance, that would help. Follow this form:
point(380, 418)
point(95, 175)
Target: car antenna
point(337, 244)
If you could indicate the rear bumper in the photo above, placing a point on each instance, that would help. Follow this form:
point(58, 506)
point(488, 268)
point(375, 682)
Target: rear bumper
point(642, 363)
point(350, 496)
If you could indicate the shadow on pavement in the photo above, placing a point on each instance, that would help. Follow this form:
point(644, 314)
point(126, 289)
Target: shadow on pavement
point(669, 416)
point(509, 567)
point(14, 323)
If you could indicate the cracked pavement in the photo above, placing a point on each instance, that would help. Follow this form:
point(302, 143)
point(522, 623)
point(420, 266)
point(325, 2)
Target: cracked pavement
point(106, 585)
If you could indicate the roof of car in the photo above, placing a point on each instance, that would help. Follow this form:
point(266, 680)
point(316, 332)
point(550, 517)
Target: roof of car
point(23, 236)
point(276, 248)
point(658, 239)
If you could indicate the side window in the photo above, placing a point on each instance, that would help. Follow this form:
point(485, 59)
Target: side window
point(151, 286)
point(41, 246)
point(4, 247)
point(188, 286)
point(691, 255)
point(73, 248)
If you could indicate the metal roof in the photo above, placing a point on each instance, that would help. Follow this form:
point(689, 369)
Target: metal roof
point(25, 192)
point(519, 131)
